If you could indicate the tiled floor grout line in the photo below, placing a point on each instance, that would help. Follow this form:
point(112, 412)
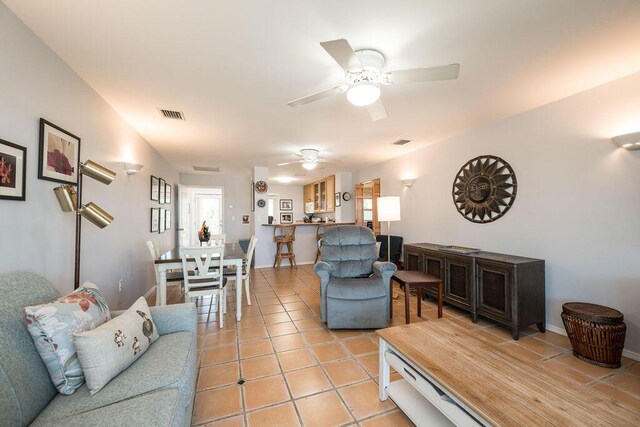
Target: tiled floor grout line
point(273, 288)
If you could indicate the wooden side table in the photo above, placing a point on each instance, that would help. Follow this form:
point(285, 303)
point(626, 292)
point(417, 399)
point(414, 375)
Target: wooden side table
point(418, 280)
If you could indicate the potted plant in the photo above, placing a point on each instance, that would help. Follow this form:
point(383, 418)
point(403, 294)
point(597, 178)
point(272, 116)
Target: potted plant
point(204, 233)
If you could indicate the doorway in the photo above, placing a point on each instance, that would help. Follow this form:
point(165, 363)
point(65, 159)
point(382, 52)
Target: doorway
point(198, 205)
point(367, 194)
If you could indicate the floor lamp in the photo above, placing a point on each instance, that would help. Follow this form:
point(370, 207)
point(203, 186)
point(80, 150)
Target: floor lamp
point(71, 201)
point(389, 210)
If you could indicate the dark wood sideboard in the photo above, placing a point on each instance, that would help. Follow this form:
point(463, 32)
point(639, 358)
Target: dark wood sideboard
point(505, 288)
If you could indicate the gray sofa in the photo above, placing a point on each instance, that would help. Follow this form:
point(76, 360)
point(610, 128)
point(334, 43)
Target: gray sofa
point(158, 389)
point(354, 287)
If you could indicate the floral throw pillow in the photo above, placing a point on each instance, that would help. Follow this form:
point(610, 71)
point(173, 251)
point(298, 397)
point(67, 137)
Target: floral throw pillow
point(52, 326)
point(107, 350)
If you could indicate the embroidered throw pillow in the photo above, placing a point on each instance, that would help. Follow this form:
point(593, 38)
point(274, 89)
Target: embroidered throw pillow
point(106, 351)
point(52, 326)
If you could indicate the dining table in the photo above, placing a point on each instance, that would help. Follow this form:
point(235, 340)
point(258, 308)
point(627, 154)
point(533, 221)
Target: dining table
point(233, 256)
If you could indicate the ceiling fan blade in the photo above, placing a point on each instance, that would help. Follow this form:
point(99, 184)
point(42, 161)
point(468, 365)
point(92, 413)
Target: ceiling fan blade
point(343, 53)
point(288, 163)
point(425, 74)
point(377, 111)
point(316, 96)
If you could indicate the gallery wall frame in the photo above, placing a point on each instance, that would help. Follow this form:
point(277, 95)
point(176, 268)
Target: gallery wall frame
point(155, 188)
point(13, 171)
point(59, 154)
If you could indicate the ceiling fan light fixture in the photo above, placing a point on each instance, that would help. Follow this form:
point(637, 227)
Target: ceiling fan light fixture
point(309, 165)
point(363, 94)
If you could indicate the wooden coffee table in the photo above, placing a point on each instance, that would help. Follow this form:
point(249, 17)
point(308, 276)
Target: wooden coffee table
point(417, 280)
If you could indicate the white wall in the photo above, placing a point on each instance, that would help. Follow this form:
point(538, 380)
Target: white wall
point(578, 198)
point(237, 202)
point(35, 234)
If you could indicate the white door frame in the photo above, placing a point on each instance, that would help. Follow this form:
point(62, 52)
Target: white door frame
point(186, 223)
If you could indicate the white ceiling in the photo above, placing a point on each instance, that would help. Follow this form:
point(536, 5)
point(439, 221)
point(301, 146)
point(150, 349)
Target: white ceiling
point(232, 66)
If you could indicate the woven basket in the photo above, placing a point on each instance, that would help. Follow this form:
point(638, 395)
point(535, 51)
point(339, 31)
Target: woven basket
point(597, 333)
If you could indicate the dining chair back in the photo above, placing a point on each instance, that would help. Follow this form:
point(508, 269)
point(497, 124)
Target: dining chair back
point(207, 278)
point(230, 273)
point(172, 276)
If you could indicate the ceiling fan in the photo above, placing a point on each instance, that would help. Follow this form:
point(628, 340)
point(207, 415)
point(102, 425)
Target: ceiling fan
point(308, 158)
point(363, 73)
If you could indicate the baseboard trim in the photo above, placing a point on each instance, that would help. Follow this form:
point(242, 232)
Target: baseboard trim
point(626, 353)
point(287, 265)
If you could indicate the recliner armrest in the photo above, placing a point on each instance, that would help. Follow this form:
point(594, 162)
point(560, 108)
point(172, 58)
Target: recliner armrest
point(384, 269)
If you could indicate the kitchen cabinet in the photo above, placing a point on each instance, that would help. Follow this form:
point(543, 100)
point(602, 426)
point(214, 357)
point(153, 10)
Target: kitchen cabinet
point(319, 196)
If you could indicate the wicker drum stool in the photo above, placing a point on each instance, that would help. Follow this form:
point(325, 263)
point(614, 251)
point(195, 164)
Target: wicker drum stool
point(596, 333)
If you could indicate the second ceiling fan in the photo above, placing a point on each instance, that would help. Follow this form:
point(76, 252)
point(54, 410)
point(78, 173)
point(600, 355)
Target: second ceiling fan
point(364, 75)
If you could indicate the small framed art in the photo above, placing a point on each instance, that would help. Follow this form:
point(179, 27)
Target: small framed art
point(286, 218)
point(13, 168)
point(163, 188)
point(167, 218)
point(59, 157)
point(155, 188)
point(162, 221)
point(338, 201)
point(167, 194)
point(155, 220)
point(286, 204)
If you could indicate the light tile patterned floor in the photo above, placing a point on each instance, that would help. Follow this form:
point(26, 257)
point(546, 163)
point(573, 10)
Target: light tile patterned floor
point(297, 372)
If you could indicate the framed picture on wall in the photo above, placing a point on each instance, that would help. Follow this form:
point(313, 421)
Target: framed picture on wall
point(163, 188)
point(59, 157)
point(167, 220)
point(13, 168)
point(162, 221)
point(286, 218)
point(286, 204)
point(155, 220)
point(155, 188)
point(167, 194)
point(338, 201)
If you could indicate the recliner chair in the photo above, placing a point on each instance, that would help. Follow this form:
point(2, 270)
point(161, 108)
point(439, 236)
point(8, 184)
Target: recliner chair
point(354, 287)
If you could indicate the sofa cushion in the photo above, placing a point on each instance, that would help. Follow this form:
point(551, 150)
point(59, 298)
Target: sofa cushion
point(106, 351)
point(159, 408)
point(25, 385)
point(52, 325)
point(169, 363)
point(357, 289)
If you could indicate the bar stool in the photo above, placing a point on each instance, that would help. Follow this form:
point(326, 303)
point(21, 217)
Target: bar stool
point(284, 235)
point(319, 234)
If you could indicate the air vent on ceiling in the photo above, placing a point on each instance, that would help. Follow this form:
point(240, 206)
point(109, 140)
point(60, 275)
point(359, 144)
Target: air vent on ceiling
point(170, 114)
point(206, 169)
point(401, 142)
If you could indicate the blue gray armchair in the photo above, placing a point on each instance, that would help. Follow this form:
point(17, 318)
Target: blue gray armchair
point(354, 287)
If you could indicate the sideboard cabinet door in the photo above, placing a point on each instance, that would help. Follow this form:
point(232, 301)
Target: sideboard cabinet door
point(494, 289)
point(413, 261)
point(458, 285)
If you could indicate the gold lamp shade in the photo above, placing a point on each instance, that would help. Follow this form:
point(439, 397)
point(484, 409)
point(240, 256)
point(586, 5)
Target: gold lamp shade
point(96, 215)
point(97, 172)
point(67, 197)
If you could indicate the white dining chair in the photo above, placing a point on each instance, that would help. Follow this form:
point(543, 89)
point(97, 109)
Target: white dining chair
point(172, 276)
point(230, 273)
point(203, 281)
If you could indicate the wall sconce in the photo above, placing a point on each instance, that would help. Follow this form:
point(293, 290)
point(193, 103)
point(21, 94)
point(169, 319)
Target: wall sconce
point(408, 182)
point(71, 201)
point(630, 141)
point(132, 168)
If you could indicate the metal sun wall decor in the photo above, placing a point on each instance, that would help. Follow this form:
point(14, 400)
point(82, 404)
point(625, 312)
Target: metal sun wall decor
point(484, 189)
